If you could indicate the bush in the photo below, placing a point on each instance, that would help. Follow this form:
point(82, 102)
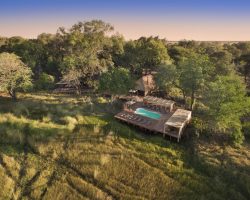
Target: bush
point(101, 100)
point(237, 136)
point(246, 128)
point(45, 82)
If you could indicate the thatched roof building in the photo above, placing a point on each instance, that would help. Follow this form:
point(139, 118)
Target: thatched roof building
point(145, 84)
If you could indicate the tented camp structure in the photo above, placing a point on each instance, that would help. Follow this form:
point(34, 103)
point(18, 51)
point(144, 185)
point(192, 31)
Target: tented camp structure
point(155, 115)
point(128, 104)
point(176, 123)
point(64, 87)
point(167, 105)
point(145, 84)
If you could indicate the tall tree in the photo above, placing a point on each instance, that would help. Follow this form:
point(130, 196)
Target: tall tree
point(188, 44)
point(178, 53)
point(117, 49)
point(116, 82)
point(3, 41)
point(193, 72)
point(244, 47)
point(226, 101)
point(245, 67)
point(223, 61)
point(14, 75)
point(166, 78)
point(73, 78)
point(145, 52)
point(85, 48)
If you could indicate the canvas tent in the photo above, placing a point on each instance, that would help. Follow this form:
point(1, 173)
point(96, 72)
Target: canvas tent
point(64, 87)
point(163, 103)
point(177, 122)
point(128, 104)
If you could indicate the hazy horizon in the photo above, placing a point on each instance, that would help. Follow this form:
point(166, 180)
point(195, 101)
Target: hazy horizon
point(173, 20)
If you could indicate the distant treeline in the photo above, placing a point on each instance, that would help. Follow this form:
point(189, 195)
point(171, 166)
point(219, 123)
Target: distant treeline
point(93, 48)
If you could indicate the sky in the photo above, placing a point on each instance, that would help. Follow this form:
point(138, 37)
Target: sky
point(204, 20)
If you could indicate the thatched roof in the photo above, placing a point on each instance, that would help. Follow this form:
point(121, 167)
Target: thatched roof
point(159, 101)
point(179, 118)
point(145, 83)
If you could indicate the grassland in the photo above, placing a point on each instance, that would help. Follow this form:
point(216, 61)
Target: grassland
point(63, 147)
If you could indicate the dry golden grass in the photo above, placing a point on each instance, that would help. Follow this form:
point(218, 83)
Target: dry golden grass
point(7, 185)
point(63, 147)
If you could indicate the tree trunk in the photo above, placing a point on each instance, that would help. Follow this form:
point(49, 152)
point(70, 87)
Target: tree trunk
point(184, 97)
point(79, 92)
point(78, 89)
point(192, 101)
point(12, 93)
point(113, 97)
point(245, 75)
point(38, 71)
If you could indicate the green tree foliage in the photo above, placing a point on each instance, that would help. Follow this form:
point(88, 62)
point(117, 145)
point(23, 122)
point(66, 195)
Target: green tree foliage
point(227, 103)
point(14, 75)
point(117, 48)
point(3, 41)
point(178, 53)
point(14, 43)
point(193, 73)
point(236, 53)
point(245, 66)
point(143, 53)
point(85, 48)
point(73, 78)
point(244, 47)
point(33, 52)
point(45, 82)
point(188, 44)
point(223, 61)
point(166, 77)
point(116, 82)
point(210, 47)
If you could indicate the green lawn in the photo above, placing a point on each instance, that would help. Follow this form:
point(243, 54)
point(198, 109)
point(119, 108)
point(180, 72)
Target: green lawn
point(63, 147)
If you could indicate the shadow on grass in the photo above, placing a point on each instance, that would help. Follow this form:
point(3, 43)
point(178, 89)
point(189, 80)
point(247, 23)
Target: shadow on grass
point(221, 173)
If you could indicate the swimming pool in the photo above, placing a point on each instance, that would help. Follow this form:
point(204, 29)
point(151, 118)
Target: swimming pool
point(147, 113)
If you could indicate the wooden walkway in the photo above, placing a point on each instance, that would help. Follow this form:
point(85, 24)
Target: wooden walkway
point(152, 125)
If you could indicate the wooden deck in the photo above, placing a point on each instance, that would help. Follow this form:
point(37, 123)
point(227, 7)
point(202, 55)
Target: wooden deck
point(153, 125)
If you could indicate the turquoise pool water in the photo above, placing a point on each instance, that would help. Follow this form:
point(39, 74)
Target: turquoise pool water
point(147, 113)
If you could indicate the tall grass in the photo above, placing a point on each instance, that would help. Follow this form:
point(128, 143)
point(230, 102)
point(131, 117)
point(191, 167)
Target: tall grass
point(63, 147)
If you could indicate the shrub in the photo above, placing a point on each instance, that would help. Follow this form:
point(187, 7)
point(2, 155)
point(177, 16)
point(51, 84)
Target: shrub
point(45, 82)
point(101, 100)
point(237, 136)
point(70, 122)
point(246, 128)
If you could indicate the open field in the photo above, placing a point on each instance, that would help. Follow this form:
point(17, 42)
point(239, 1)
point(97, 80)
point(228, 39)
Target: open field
point(63, 147)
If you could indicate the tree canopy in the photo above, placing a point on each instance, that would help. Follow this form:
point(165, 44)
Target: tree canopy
point(227, 103)
point(193, 72)
point(116, 82)
point(144, 53)
point(166, 77)
point(14, 75)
